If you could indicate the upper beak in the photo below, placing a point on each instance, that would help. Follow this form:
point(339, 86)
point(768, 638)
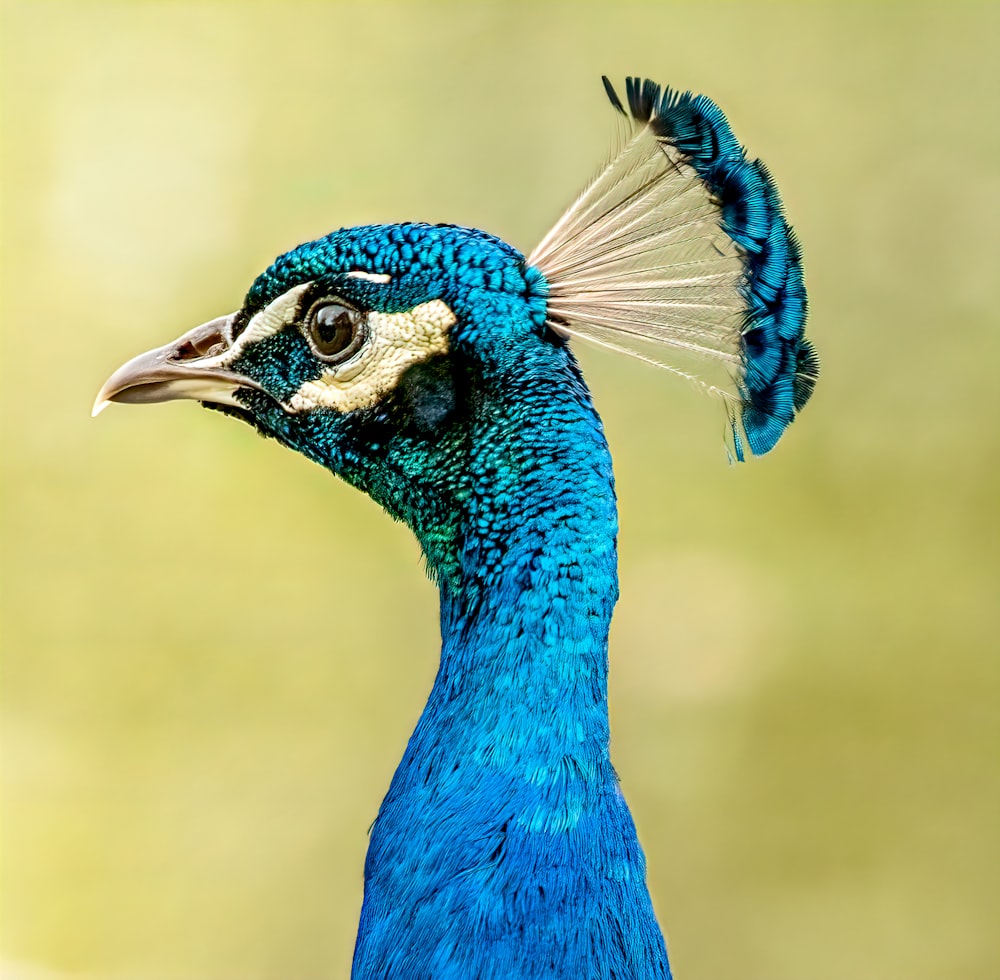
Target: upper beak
point(187, 368)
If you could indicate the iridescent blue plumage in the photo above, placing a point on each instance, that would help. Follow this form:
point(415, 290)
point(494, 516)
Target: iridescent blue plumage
point(428, 366)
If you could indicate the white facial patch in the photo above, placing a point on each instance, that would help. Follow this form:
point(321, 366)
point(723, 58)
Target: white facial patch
point(273, 318)
point(396, 341)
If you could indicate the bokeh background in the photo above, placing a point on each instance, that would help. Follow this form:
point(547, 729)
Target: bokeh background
point(213, 652)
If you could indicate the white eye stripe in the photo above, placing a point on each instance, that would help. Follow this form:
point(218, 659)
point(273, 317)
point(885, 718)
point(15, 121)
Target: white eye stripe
point(377, 277)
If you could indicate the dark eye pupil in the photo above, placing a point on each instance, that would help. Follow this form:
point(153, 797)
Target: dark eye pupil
point(334, 329)
point(333, 326)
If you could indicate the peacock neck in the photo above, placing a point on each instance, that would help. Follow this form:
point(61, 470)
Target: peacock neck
point(504, 839)
point(522, 683)
point(525, 632)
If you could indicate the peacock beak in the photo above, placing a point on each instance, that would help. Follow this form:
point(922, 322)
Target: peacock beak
point(193, 366)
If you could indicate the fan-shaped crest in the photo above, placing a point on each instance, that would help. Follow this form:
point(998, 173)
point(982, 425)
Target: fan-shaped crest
point(680, 243)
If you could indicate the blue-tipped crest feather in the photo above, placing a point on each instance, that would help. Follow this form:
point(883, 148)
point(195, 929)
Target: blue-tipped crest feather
point(681, 241)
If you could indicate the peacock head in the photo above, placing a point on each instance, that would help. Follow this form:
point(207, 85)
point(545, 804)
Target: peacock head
point(371, 351)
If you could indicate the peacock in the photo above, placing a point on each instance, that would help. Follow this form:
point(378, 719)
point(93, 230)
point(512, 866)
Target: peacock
point(430, 366)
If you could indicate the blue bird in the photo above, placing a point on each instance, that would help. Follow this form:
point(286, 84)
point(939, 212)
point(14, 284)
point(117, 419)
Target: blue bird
point(430, 366)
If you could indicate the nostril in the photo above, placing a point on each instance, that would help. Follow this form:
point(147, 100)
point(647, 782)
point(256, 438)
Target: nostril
point(208, 340)
point(201, 347)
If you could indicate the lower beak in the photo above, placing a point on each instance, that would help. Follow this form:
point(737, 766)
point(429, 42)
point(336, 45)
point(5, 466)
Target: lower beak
point(190, 367)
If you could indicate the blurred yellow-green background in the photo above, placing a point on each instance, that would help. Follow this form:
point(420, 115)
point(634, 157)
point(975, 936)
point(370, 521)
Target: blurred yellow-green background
point(213, 652)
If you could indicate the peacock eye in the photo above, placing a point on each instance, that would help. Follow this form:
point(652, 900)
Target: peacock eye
point(335, 331)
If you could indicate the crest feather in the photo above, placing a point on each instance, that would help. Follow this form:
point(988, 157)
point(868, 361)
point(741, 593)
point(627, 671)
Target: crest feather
point(679, 247)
